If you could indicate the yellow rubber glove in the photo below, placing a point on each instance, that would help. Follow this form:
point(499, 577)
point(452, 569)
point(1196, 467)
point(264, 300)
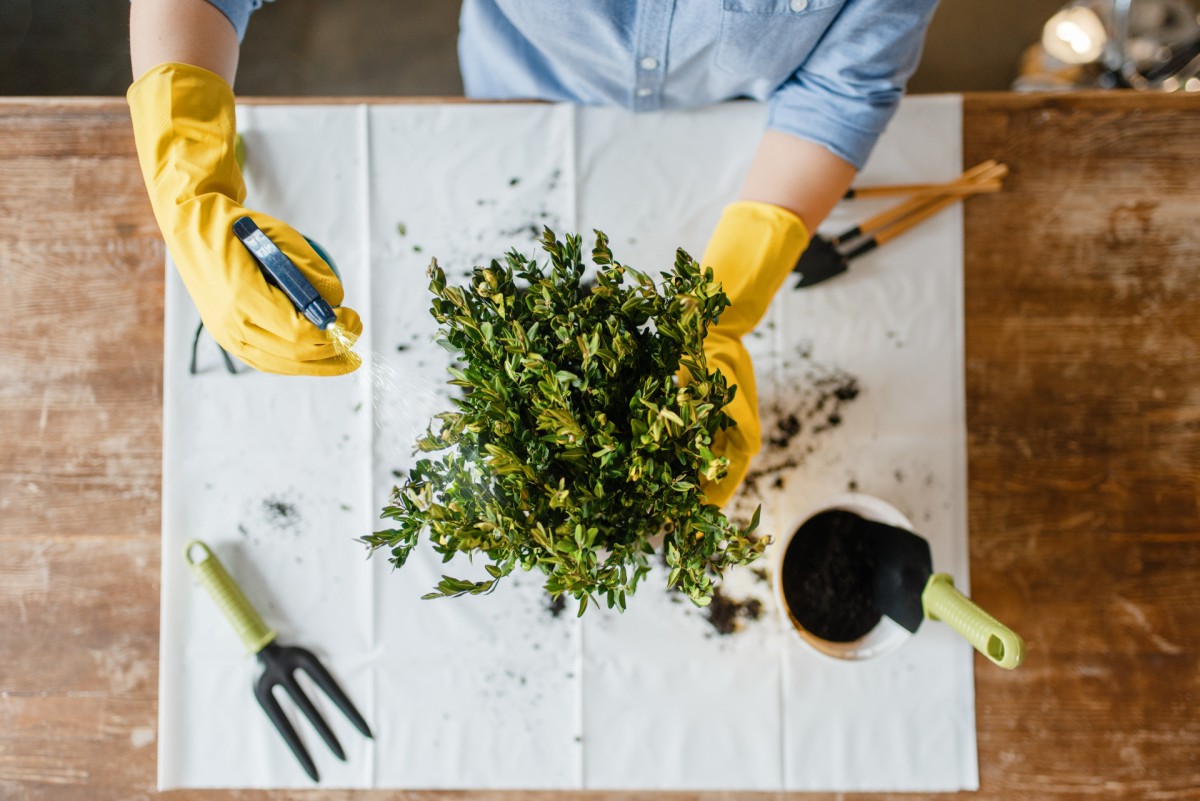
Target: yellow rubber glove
point(184, 127)
point(753, 249)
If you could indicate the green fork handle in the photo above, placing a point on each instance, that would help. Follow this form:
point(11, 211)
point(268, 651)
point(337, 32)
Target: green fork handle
point(989, 636)
point(249, 625)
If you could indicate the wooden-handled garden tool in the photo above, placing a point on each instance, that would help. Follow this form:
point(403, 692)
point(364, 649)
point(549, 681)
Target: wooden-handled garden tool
point(280, 662)
point(825, 257)
point(908, 591)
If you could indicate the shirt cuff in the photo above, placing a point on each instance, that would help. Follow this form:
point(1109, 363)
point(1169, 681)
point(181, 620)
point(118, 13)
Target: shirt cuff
point(237, 12)
point(848, 127)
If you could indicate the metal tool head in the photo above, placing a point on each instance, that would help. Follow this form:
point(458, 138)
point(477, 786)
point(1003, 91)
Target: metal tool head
point(280, 663)
point(820, 261)
point(903, 565)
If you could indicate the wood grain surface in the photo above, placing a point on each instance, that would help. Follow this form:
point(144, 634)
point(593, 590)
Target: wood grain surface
point(1083, 404)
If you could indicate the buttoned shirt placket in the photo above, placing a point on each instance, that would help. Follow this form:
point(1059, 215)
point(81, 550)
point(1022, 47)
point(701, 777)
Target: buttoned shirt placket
point(652, 32)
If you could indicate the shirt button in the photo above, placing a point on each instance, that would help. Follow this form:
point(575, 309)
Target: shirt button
point(652, 63)
point(644, 92)
point(799, 5)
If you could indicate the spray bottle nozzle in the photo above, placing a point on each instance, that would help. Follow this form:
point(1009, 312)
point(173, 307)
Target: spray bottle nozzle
point(281, 272)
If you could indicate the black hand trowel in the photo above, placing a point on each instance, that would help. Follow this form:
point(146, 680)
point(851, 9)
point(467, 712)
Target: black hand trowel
point(908, 591)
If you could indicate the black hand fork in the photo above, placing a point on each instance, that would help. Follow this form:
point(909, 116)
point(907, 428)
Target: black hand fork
point(280, 662)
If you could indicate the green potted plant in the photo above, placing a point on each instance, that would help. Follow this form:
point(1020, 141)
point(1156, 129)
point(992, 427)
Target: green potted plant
point(573, 445)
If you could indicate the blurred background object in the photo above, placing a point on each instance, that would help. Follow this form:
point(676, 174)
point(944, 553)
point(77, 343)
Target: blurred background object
point(15, 17)
point(1150, 45)
point(406, 47)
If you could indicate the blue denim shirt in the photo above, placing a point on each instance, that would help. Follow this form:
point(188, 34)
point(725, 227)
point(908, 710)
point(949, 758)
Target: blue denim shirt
point(831, 71)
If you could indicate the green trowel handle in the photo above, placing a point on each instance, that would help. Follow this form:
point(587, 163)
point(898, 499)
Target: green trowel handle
point(229, 597)
point(989, 636)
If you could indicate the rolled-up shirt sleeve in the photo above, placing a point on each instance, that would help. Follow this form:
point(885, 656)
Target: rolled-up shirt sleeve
point(237, 12)
point(845, 93)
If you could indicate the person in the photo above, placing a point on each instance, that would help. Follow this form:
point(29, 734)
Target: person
point(831, 72)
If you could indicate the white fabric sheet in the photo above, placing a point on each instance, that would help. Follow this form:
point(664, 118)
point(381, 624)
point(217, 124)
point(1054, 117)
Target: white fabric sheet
point(280, 474)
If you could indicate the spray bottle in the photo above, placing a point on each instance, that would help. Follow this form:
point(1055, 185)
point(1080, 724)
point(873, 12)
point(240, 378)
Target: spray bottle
point(281, 272)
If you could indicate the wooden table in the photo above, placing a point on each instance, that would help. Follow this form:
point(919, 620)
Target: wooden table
point(1083, 406)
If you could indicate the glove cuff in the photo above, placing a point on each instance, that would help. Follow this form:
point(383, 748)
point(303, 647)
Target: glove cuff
point(185, 128)
point(753, 249)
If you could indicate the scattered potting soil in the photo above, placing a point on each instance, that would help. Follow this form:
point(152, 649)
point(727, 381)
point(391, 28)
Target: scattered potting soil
point(796, 418)
point(529, 230)
point(513, 217)
point(828, 572)
point(725, 614)
point(281, 514)
point(785, 429)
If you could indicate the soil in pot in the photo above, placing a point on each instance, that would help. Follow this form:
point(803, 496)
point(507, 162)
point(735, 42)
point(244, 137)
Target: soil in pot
point(827, 577)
